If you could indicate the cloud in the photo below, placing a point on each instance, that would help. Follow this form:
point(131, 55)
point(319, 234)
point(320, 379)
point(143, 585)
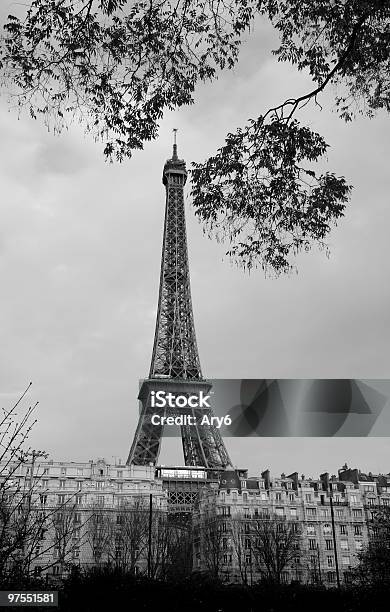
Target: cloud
point(80, 246)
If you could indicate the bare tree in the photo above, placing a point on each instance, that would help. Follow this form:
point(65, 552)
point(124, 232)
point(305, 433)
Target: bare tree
point(241, 540)
point(100, 534)
point(213, 543)
point(374, 560)
point(159, 544)
point(275, 546)
point(180, 550)
point(18, 522)
point(131, 534)
point(31, 533)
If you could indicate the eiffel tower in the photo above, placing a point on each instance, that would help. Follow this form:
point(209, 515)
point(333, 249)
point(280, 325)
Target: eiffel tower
point(175, 365)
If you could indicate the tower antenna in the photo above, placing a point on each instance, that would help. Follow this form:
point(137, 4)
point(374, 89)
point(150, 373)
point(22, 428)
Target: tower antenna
point(174, 143)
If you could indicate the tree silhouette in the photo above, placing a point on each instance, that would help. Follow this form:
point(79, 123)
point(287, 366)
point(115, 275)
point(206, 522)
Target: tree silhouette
point(117, 65)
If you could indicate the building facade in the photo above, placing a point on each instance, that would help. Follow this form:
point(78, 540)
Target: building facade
point(80, 514)
point(225, 523)
point(287, 529)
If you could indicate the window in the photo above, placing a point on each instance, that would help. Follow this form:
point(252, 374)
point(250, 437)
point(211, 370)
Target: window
point(79, 500)
point(312, 544)
point(247, 514)
point(101, 473)
point(226, 510)
point(100, 484)
point(224, 543)
point(308, 497)
point(344, 545)
point(331, 577)
point(247, 543)
point(43, 499)
point(311, 528)
point(291, 497)
point(278, 497)
point(311, 512)
point(347, 577)
point(371, 501)
point(63, 471)
point(79, 486)
point(279, 511)
point(357, 529)
point(339, 513)
point(243, 484)
point(354, 499)
point(62, 484)
point(119, 474)
point(100, 500)
point(45, 471)
point(120, 486)
point(56, 570)
point(234, 496)
point(245, 498)
point(77, 517)
point(327, 528)
point(329, 544)
point(330, 561)
point(358, 545)
point(285, 576)
point(293, 512)
point(357, 513)
point(247, 559)
point(345, 560)
point(264, 496)
point(386, 501)
point(343, 530)
point(61, 499)
point(79, 471)
point(223, 496)
point(324, 512)
point(224, 527)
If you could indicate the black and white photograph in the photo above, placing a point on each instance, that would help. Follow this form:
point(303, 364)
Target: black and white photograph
point(195, 305)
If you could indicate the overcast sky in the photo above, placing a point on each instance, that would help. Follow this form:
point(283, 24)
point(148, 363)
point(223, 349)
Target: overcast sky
point(80, 244)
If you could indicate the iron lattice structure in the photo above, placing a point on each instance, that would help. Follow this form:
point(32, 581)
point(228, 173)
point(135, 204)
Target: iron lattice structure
point(175, 365)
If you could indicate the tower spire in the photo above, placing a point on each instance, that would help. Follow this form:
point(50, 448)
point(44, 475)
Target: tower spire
point(174, 156)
